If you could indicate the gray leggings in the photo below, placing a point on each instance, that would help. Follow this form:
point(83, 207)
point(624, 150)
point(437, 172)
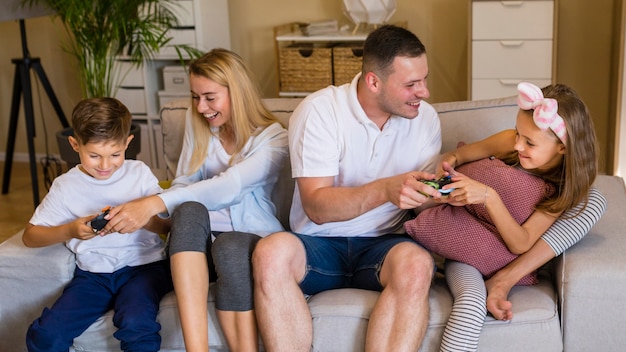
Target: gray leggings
point(228, 256)
point(467, 285)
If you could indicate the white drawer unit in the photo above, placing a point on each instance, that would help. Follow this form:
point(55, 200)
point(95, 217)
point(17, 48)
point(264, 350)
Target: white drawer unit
point(202, 24)
point(510, 42)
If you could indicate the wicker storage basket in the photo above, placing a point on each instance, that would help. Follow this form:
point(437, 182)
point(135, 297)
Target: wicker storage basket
point(347, 61)
point(305, 68)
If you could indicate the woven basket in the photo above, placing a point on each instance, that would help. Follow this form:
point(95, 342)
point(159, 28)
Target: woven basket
point(305, 68)
point(347, 60)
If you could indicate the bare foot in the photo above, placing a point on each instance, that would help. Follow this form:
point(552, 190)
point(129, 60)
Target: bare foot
point(497, 303)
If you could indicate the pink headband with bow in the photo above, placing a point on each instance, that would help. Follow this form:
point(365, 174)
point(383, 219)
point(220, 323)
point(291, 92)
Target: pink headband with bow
point(545, 113)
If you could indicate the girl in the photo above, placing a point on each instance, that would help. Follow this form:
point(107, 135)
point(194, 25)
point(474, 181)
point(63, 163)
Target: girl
point(544, 167)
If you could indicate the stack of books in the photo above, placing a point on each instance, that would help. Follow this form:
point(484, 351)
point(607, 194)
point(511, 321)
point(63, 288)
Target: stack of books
point(319, 27)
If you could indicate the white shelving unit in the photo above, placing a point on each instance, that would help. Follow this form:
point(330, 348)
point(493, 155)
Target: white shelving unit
point(203, 24)
point(511, 42)
point(289, 34)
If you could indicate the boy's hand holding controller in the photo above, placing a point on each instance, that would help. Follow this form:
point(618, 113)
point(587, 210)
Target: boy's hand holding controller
point(98, 222)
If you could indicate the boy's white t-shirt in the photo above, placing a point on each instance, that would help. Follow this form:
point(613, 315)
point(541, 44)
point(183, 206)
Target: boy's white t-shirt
point(76, 194)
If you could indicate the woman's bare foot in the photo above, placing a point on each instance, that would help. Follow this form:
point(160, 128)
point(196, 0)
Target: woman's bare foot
point(497, 299)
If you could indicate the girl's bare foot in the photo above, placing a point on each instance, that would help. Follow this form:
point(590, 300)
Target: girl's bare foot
point(497, 295)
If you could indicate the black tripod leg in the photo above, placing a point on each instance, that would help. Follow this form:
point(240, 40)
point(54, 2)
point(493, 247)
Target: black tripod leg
point(30, 129)
point(15, 108)
point(53, 98)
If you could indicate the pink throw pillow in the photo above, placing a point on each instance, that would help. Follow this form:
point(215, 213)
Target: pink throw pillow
point(467, 234)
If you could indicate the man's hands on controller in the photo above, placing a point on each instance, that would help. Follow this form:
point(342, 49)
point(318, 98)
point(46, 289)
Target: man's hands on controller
point(439, 183)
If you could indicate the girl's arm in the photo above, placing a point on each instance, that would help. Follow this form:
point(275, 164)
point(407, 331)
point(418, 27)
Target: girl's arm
point(497, 145)
point(518, 238)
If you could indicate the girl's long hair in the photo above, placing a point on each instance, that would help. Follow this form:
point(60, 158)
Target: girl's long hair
point(574, 177)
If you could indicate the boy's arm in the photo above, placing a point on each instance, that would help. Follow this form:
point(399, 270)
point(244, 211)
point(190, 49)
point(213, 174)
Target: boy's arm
point(41, 236)
point(158, 225)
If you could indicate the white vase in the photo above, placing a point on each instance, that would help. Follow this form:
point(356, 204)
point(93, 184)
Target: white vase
point(369, 11)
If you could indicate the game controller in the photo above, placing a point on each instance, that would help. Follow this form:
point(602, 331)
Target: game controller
point(99, 222)
point(438, 184)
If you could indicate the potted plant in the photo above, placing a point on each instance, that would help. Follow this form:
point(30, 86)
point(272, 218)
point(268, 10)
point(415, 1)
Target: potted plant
point(100, 31)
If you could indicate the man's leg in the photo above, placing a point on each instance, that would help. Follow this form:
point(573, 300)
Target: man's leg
point(284, 318)
point(400, 317)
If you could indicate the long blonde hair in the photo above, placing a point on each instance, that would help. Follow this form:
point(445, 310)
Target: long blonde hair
point(248, 112)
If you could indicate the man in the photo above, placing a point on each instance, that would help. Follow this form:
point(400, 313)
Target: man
point(354, 151)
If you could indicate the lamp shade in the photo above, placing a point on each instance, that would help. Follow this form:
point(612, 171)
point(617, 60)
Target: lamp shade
point(14, 10)
point(369, 11)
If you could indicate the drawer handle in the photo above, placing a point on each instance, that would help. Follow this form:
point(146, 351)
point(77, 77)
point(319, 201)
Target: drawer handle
point(512, 3)
point(509, 82)
point(511, 42)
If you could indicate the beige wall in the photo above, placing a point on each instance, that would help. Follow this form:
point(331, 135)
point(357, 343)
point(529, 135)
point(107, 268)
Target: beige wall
point(584, 61)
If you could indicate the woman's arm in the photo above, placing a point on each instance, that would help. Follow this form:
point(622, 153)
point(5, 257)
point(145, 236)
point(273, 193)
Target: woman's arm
point(259, 166)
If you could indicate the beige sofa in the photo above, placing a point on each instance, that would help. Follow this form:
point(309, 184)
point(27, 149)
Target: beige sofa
point(578, 305)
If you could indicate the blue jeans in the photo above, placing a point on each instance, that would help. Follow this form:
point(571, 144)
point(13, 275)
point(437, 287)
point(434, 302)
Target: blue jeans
point(133, 293)
point(341, 262)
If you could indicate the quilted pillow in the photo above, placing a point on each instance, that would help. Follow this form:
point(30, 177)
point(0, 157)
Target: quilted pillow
point(466, 233)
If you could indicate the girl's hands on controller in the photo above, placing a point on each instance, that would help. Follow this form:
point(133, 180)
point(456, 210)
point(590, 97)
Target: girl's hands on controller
point(466, 190)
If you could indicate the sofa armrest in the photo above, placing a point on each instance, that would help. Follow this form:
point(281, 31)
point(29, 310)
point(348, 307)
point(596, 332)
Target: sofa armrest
point(30, 279)
point(591, 279)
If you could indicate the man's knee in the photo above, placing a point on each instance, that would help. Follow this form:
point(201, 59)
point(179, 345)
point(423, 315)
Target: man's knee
point(277, 253)
point(408, 264)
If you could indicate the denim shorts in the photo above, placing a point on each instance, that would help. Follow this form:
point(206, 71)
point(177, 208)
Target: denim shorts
point(341, 262)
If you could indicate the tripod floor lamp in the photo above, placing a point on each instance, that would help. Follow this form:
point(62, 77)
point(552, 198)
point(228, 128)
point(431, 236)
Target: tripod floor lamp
point(22, 91)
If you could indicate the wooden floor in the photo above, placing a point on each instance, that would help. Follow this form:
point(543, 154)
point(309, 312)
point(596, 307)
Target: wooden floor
point(17, 206)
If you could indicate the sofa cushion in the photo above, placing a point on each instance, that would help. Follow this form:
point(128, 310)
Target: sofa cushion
point(472, 121)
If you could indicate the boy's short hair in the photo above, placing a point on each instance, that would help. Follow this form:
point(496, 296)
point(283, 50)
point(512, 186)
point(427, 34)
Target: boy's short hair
point(101, 119)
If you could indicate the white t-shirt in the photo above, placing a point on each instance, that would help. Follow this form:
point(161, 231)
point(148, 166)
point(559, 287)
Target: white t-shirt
point(330, 135)
point(238, 196)
point(76, 194)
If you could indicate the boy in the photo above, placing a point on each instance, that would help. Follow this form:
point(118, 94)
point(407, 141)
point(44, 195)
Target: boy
point(128, 272)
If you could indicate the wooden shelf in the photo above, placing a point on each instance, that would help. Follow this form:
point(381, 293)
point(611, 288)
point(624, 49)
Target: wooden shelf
point(341, 36)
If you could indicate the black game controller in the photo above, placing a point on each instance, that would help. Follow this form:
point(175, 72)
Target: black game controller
point(438, 184)
point(99, 222)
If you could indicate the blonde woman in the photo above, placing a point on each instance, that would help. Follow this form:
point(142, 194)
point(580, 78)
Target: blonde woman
point(232, 152)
